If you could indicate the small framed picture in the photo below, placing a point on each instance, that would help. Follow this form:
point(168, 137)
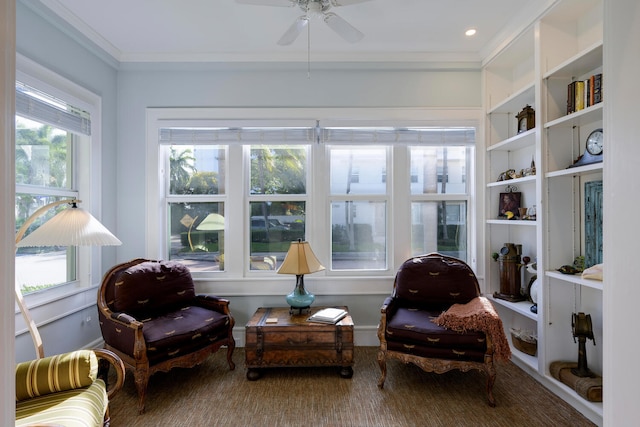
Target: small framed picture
point(509, 202)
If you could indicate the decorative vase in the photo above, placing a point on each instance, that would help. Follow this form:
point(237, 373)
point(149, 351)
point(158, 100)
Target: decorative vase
point(300, 297)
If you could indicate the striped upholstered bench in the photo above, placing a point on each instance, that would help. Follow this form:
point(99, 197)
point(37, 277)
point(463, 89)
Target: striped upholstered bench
point(65, 389)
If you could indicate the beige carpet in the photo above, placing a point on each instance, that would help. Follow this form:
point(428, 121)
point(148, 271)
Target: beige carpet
point(211, 395)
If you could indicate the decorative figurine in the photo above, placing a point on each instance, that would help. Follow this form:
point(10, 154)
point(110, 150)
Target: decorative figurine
point(582, 329)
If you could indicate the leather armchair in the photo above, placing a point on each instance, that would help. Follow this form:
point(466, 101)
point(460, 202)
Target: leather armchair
point(152, 319)
point(424, 287)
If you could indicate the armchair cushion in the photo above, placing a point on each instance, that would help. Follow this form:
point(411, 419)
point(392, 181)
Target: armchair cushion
point(182, 331)
point(81, 407)
point(149, 288)
point(65, 390)
point(412, 327)
point(56, 373)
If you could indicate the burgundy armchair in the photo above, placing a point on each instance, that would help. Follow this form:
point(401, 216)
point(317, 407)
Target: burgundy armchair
point(426, 286)
point(152, 319)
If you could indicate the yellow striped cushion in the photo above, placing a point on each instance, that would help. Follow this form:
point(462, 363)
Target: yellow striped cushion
point(83, 407)
point(55, 373)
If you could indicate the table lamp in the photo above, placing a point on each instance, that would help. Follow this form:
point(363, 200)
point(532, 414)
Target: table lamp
point(69, 227)
point(300, 260)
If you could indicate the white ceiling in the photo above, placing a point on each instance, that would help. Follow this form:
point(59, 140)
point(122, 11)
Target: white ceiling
point(223, 30)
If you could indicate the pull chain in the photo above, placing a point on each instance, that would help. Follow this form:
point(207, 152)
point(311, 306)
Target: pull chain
point(308, 48)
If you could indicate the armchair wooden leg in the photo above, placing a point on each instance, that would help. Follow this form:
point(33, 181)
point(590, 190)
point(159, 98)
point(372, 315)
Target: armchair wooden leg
point(491, 379)
point(230, 347)
point(382, 362)
point(142, 381)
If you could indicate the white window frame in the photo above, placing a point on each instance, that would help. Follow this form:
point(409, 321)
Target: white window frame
point(236, 280)
point(87, 170)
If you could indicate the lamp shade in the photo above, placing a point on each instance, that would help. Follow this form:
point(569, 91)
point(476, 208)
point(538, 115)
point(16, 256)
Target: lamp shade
point(71, 227)
point(300, 259)
point(212, 222)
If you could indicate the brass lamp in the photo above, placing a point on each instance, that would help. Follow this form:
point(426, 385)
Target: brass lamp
point(69, 227)
point(300, 260)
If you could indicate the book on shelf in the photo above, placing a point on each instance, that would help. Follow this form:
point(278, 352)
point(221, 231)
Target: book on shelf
point(328, 315)
point(584, 93)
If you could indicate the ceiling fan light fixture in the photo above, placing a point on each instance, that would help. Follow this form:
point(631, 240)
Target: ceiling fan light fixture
point(315, 10)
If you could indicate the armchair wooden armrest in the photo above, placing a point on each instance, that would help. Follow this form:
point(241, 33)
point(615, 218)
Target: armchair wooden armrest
point(212, 302)
point(118, 366)
point(121, 330)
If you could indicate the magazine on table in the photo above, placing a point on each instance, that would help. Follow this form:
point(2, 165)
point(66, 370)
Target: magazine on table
point(328, 315)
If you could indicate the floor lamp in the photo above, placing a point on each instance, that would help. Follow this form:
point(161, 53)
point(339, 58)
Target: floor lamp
point(215, 222)
point(69, 227)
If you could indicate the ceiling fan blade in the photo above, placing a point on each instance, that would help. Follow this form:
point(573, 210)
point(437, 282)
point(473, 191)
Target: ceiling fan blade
point(343, 28)
point(337, 3)
point(294, 31)
point(283, 3)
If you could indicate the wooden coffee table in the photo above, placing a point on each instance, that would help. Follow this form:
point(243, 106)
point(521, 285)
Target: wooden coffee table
point(275, 338)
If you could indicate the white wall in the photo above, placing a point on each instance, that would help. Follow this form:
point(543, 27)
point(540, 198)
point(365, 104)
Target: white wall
point(621, 202)
point(66, 55)
point(251, 86)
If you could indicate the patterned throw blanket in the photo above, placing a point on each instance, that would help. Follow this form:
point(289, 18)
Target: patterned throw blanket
point(477, 315)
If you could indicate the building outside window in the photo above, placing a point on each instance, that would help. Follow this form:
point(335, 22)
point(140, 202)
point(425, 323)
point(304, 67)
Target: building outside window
point(358, 207)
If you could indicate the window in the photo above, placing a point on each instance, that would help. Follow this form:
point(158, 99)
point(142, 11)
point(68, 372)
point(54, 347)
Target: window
point(273, 189)
point(277, 201)
point(357, 194)
point(52, 139)
point(358, 207)
point(195, 205)
point(439, 197)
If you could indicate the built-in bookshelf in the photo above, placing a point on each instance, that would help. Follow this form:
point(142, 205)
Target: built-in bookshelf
point(555, 66)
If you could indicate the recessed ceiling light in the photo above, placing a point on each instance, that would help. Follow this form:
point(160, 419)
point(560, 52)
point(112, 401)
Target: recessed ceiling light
point(470, 32)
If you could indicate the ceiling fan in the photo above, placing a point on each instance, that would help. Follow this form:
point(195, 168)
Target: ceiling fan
point(314, 9)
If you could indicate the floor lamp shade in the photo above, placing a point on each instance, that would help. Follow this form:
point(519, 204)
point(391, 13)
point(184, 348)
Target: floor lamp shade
point(71, 227)
point(212, 222)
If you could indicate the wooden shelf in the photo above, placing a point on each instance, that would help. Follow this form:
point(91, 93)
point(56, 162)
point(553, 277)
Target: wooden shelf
point(521, 307)
point(587, 60)
point(577, 171)
point(595, 407)
point(511, 222)
point(516, 142)
point(579, 118)
point(524, 179)
point(575, 279)
point(516, 101)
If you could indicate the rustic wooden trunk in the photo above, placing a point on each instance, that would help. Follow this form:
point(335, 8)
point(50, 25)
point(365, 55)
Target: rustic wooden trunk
point(275, 338)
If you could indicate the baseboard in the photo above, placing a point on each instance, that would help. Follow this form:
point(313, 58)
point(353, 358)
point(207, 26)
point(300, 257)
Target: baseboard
point(98, 343)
